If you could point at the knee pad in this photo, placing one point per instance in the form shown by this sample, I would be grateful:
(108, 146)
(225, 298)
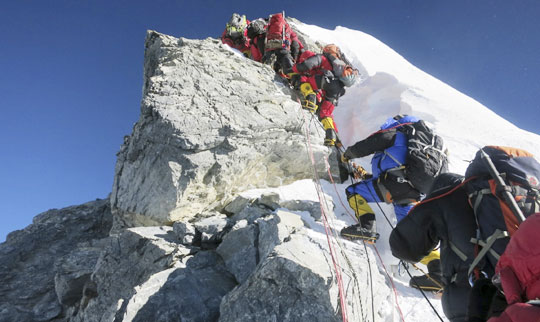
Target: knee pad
(435, 254)
(306, 89)
(359, 205)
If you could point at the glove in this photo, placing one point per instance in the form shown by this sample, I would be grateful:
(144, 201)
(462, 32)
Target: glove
(360, 173)
(348, 78)
(344, 159)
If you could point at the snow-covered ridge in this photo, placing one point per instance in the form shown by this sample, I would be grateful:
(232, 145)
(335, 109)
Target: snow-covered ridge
(391, 85)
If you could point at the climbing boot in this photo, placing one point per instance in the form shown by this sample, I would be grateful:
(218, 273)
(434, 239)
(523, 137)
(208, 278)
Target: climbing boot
(330, 131)
(310, 103)
(365, 230)
(330, 137)
(432, 281)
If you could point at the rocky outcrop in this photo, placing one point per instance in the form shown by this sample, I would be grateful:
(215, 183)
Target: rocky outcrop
(212, 124)
(37, 267)
(293, 284)
(145, 274)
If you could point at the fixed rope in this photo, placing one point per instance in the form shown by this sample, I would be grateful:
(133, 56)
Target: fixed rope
(328, 232)
(375, 248)
(342, 248)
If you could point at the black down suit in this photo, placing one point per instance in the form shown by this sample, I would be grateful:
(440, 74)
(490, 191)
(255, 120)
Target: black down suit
(445, 216)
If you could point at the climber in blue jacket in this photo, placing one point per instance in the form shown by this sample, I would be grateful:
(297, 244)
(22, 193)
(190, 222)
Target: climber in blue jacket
(388, 183)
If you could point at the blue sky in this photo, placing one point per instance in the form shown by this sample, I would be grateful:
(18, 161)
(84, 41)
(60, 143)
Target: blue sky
(72, 75)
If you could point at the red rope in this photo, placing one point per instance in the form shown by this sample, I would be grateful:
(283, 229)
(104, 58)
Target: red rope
(327, 227)
(376, 250)
(391, 282)
(337, 193)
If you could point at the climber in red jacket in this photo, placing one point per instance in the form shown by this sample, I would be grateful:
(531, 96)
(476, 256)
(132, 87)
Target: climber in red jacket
(322, 82)
(235, 34)
(519, 272)
(281, 43)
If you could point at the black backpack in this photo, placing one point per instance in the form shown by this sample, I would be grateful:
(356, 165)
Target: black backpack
(502, 184)
(426, 155)
(256, 27)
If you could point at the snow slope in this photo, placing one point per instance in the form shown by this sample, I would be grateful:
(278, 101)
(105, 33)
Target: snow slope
(391, 85)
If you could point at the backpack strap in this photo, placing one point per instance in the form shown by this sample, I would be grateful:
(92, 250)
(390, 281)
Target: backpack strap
(477, 197)
(486, 246)
(394, 159)
(458, 252)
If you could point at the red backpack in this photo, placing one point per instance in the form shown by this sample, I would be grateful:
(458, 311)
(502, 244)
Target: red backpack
(278, 33)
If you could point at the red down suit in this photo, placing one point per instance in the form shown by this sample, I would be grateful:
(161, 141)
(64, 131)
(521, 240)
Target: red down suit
(317, 70)
(519, 271)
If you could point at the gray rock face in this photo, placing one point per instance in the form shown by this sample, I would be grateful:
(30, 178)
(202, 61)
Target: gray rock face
(191, 293)
(27, 260)
(128, 260)
(145, 275)
(212, 124)
(239, 251)
(290, 285)
(73, 272)
(185, 232)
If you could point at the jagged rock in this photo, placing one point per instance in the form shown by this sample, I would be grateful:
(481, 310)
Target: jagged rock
(250, 213)
(128, 261)
(185, 232)
(27, 259)
(291, 285)
(212, 124)
(247, 244)
(273, 230)
(270, 200)
(190, 293)
(212, 228)
(239, 251)
(73, 272)
(313, 207)
(237, 205)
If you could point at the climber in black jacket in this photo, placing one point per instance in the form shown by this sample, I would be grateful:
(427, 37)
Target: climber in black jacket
(445, 216)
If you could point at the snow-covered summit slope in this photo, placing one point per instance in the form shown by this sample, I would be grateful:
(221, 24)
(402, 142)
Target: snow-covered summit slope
(391, 85)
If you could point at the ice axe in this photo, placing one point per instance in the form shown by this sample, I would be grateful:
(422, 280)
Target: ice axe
(502, 187)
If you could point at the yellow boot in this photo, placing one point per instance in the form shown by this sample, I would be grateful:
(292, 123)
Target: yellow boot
(432, 281)
(330, 134)
(366, 229)
(310, 98)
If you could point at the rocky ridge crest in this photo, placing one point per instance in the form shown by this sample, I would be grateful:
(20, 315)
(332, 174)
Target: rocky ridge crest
(177, 240)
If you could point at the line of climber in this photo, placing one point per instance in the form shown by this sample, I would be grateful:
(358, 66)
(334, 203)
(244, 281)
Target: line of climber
(320, 79)
(470, 218)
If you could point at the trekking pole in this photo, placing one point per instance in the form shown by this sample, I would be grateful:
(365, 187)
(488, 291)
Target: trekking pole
(502, 187)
